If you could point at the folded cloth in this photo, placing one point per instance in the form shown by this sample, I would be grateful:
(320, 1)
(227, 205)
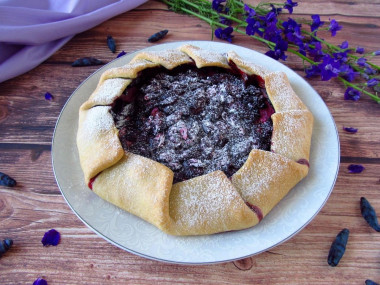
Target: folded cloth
(31, 31)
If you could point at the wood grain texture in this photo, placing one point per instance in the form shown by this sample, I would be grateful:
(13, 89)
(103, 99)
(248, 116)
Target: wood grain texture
(36, 205)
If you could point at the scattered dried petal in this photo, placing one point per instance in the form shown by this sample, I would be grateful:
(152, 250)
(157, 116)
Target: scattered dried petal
(111, 44)
(51, 237)
(6, 180)
(121, 54)
(40, 281)
(86, 61)
(157, 36)
(48, 96)
(355, 168)
(350, 130)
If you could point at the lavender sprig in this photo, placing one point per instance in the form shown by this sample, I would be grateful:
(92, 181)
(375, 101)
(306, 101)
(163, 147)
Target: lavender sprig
(351, 66)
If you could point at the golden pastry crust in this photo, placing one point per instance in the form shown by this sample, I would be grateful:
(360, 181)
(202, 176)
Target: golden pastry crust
(98, 143)
(266, 177)
(210, 203)
(140, 186)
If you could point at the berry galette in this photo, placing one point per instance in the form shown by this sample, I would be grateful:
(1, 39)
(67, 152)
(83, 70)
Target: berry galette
(193, 141)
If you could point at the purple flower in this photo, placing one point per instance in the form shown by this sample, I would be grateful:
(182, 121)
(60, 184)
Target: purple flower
(369, 70)
(376, 52)
(355, 168)
(275, 10)
(292, 30)
(312, 71)
(334, 27)
(289, 4)
(48, 96)
(217, 5)
(250, 11)
(361, 61)
(350, 130)
(253, 27)
(351, 94)
(315, 50)
(348, 73)
(344, 45)
(224, 34)
(316, 23)
(329, 68)
(121, 54)
(359, 50)
(51, 237)
(372, 82)
(40, 281)
(225, 21)
(279, 50)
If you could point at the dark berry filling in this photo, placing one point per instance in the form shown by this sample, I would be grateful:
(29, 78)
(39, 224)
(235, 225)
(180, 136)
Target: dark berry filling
(194, 120)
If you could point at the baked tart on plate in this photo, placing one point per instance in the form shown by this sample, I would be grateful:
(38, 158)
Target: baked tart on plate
(193, 141)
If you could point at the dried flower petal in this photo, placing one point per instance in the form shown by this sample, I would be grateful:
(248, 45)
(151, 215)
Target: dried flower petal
(40, 281)
(121, 54)
(350, 130)
(355, 168)
(48, 96)
(51, 237)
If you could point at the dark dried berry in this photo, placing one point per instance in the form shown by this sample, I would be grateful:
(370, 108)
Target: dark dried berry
(157, 36)
(370, 282)
(86, 61)
(111, 43)
(338, 247)
(5, 245)
(369, 214)
(6, 180)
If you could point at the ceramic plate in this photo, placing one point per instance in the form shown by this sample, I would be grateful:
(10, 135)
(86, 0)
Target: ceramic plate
(130, 233)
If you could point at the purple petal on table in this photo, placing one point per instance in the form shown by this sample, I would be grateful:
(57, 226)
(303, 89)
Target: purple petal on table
(40, 281)
(355, 168)
(51, 237)
(48, 96)
(350, 130)
(121, 54)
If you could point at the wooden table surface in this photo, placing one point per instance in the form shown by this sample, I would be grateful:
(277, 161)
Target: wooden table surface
(36, 204)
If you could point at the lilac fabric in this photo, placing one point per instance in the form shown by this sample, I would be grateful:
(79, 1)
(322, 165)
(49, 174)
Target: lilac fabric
(32, 30)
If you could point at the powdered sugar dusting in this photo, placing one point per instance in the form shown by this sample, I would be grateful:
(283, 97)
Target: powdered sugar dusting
(167, 58)
(257, 176)
(98, 127)
(292, 135)
(107, 92)
(205, 57)
(203, 201)
(247, 66)
(281, 93)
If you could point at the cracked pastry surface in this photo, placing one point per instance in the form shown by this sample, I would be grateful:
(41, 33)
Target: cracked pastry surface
(193, 141)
